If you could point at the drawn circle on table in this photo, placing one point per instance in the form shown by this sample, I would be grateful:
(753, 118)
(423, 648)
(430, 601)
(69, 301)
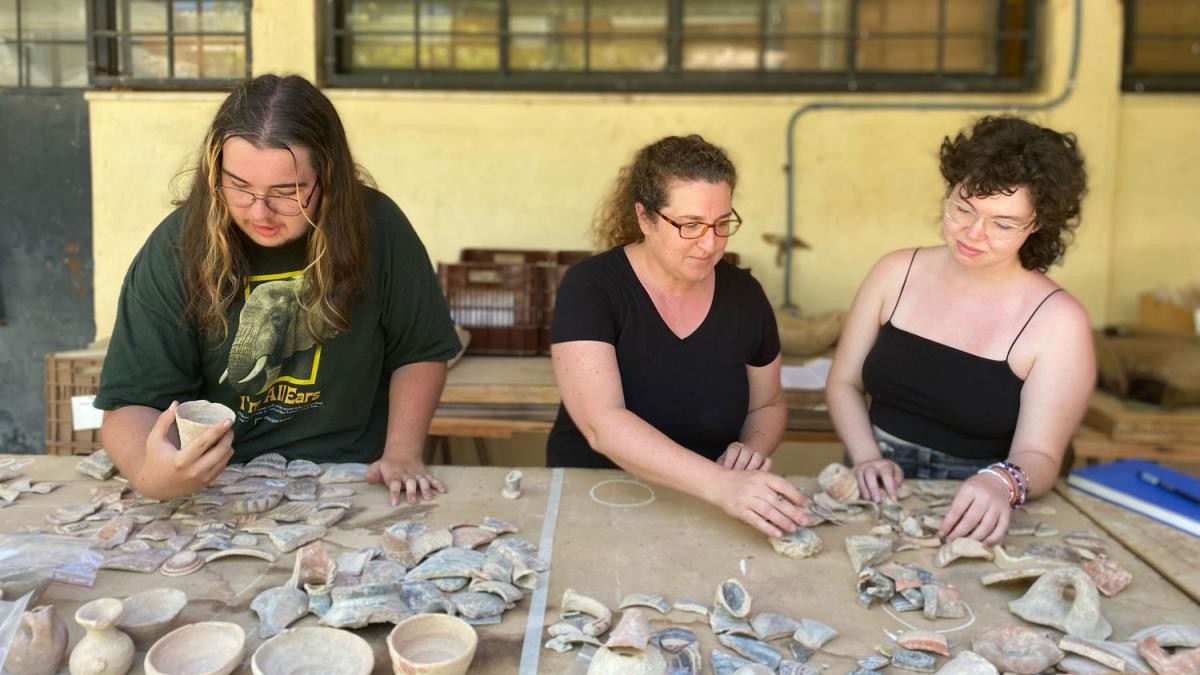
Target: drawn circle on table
(943, 631)
(621, 493)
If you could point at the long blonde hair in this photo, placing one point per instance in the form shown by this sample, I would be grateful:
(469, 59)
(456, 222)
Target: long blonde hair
(277, 112)
(646, 180)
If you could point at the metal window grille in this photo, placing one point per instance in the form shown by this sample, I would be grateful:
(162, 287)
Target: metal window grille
(193, 44)
(1162, 45)
(43, 44)
(683, 45)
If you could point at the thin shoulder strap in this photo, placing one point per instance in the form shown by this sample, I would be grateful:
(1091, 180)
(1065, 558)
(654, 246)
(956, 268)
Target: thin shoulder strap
(1035, 311)
(903, 283)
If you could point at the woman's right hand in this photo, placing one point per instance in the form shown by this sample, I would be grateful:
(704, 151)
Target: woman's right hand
(874, 473)
(766, 502)
(168, 472)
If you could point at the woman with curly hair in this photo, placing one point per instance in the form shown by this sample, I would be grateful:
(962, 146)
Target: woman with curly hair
(977, 365)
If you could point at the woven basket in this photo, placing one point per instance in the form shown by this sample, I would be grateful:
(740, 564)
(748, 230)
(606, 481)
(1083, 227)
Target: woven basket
(809, 336)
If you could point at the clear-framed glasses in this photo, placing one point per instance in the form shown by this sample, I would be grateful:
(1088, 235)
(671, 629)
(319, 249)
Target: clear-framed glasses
(697, 229)
(280, 204)
(965, 216)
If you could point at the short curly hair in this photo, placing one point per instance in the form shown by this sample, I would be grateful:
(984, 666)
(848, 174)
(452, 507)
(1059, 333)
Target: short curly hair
(1003, 154)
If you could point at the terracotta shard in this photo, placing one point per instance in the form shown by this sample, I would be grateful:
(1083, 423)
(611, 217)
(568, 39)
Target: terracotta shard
(252, 485)
(1087, 539)
(674, 639)
(450, 584)
(97, 465)
(424, 598)
(257, 502)
(357, 606)
(1016, 649)
(343, 473)
(873, 586)
(469, 536)
(182, 564)
(476, 605)
(787, 667)
(72, 513)
(924, 641)
(312, 566)
(600, 613)
(814, 634)
(292, 512)
(159, 530)
(302, 468)
(139, 561)
(724, 663)
(243, 552)
(732, 597)
(383, 571)
(498, 526)
(651, 600)
(689, 606)
(115, 532)
(450, 562)
(755, 650)
(302, 490)
(1118, 656)
(1181, 663)
(398, 540)
(803, 543)
(906, 575)
(335, 492)
(907, 659)
(1171, 635)
(968, 663)
(288, 538)
(270, 465)
(508, 592)
(135, 546)
(108, 494)
(961, 548)
(771, 626)
(838, 482)
(278, 608)
(942, 601)
(866, 550)
(686, 662)
(1044, 604)
(1006, 576)
(211, 542)
(1110, 577)
(326, 518)
(721, 621)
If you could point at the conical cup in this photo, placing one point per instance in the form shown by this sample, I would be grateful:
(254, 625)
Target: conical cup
(432, 644)
(195, 417)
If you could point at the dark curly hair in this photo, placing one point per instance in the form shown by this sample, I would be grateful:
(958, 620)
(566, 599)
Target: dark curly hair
(645, 182)
(1003, 154)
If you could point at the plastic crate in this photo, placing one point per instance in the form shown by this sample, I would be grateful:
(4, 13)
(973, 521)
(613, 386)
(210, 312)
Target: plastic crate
(506, 256)
(500, 304)
(71, 373)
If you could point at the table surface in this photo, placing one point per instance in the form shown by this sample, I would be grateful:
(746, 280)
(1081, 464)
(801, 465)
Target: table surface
(606, 536)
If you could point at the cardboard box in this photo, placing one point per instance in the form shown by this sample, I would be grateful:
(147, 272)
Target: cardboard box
(1159, 314)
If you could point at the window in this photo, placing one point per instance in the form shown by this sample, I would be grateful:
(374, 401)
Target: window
(683, 45)
(43, 43)
(1162, 46)
(176, 43)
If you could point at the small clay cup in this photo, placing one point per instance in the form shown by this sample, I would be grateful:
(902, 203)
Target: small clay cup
(432, 644)
(195, 417)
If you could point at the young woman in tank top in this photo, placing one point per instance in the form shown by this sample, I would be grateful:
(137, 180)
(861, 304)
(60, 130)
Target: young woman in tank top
(978, 367)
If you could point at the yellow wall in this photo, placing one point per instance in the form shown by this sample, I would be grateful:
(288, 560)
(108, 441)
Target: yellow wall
(527, 170)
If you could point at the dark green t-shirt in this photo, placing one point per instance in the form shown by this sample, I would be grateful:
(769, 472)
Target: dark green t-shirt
(324, 402)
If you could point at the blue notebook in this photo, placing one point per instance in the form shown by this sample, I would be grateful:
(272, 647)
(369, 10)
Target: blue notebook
(1118, 482)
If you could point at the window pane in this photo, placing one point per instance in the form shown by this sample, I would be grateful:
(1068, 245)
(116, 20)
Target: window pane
(143, 57)
(969, 55)
(629, 16)
(143, 16)
(898, 16)
(720, 35)
(56, 65)
(383, 51)
(628, 35)
(807, 16)
(545, 17)
(897, 54)
(628, 54)
(8, 21)
(53, 20)
(210, 57)
(971, 16)
(8, 65)
(720, 54)
(381, 15)
(806, 54)
(1167, 38)
(546, 53)
(465, 16)
(461, 51)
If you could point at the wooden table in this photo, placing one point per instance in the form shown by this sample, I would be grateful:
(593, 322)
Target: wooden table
(497, 396)
(605, 536)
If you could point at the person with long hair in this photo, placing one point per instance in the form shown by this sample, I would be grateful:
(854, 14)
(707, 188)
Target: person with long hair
(287, 288)
(667, 357)
(977, 364)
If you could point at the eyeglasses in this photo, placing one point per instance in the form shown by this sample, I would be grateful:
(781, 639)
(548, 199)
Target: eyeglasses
(280, 204)
(695, 230)
(962, 215)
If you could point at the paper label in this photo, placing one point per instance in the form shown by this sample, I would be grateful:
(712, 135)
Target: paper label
(84, 415)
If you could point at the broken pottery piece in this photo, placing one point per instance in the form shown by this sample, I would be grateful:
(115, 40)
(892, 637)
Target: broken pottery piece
(159, 530)
(674, 638)
(195, 417)
(721, 621)
(106, 495)
(469, 536)
(476, 605)
(277, 608)
(314, 649)
(252, 485)
(313, 566)
(115, 532)
(150, 614)
(383, 572)
(874, 586)
(924, 641)
(838, 482)
(512, 485)
(244, 539)
(1044, 604)
(732, 597)
(601, 614)
(352, 564)
(104, 650)
(686, 661)
(506, 591)
(802, 543)
(243, 552)
(357, 606)
(1016, 649)
(1087, 539)
(1181, 663)
(814, 634)
(867, 550)
(335, 492)
(907, 659)
(771, 626)
(423, 597)
(39, 644)
(351, 472)
(498, 526)
(962, 547)
(303, 468)
(1110, 577)
(1121, 657)
(448, 562)
(320, 598)
(72, 513)
(288, 538)
(292, 512)
(724, 663)
(874, 662)
(450, 584)
(1045, 530)
(968, 663)
(787, 667)
(690, 606)
(1171, 635)
(135, 546)
(257, 502)
(326, 518)
(799, 652)
(97, 465)
(432, 644)
(906, 575)
(210, 542)
(651, 600)
(181, 564)
(1019, 574)
(755, 650)
(302, 490)
(139, 561)
(942, 601)
(429, 540)
(632, 633)
(270, 465)
(204, 648)
(398, 539)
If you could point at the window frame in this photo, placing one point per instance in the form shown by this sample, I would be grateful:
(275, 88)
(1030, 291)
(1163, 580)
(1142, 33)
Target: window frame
(1133, 81)
(102, 56)
(22, 76)
(674, 79)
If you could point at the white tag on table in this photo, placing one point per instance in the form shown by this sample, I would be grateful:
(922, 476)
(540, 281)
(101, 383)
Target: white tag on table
(84, 415)
(811, 375)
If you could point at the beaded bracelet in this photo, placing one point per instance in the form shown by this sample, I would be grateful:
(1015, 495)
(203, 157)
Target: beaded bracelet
(1019, 477)
(1012, 492)
(1024, 479)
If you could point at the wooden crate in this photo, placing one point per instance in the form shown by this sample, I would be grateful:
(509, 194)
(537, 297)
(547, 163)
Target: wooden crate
(1133, 422)
(500, 304)
(70, 373)
(1093, 446)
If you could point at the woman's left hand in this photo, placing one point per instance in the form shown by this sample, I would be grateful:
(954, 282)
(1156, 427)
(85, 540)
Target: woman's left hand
(407, 475)
(980, 511)
(741, 457)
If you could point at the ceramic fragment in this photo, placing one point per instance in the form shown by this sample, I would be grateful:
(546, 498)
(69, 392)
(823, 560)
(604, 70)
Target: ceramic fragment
(968, 663)
(755, 650)
(343, 473)
(508, 592)
(181, 564)
(357, 606)
(210, 542)
(874, 662)
(512, 485)
(798, 652)
(962, 547)
(325, 518)
(97, 465)
(254, 484)
(38, 645)
(1019, 574)
(476, 605)
(450, 584)
(1044, 604)
(1109, 576)
(632, 633)
(423, 597)
(270, 465)
(874, 586)
(244, 539)
(469, 536)
(650, 600)
(924, 641)
(303, 468)
(721, 621)
(334, 491)
(1170, 635)
(449, 562)
(277, 608)
(288, 538)
(601, 614)
(906, 575)
(802, 543)
(814, 634)
(1121, 657)
(135, 546)
(787, 667)
(382, 572)
(1016, 649)
(732, 596)
(204, 648)
(243, 552)
(838, 482)
(770, 626)
(724, 663)
(312, 566)
(866, 550)
(690, 606)
(157, 531)
(150, 614)
(138, 561)
(292, 512)
(1180, 663)
(257, 502)
(907, 659)
(498, 526)
(115, 532)
(686, 662)
(303, 490)
(942, 601)
(72, 513)
(673, 639)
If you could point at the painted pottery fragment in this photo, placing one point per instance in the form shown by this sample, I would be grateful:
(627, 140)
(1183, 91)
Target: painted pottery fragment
(942, 601)
(867, 550)
(802, 543)
(1044, 604)
(814, 634)
(771, 626)
(1016, 649)
(303, 468)
(277, 608)
(924, 641)
(181, 564)
(351, 472)
(1108, 574)
(1121, 657)
(962, 547)
(288, 538)
(838, 482)
(733, 597)
(270, 465)
(755, 650)
(138, 561)
(968, 663)
(357, 606)
(650, 600)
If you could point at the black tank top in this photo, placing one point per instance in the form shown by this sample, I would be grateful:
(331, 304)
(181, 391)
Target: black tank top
(940, 397)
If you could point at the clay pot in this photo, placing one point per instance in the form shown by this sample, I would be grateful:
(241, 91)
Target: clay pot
(432, 644)
(205, 648)
(150, 614)
(104, 650)
(195, 417)
(314, 650)
(39, 645)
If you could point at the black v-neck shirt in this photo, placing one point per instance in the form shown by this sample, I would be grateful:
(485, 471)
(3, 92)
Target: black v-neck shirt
(693, 389)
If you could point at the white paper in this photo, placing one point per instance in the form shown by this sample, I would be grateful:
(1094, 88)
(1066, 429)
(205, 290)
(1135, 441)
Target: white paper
(811, 375)
(84, 415)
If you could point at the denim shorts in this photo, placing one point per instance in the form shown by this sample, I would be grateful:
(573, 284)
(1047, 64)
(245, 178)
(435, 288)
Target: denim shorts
(920, 462)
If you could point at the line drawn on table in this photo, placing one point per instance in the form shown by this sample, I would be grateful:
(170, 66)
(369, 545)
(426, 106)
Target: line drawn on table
(909, 626)
(532, 645)
(15, 463)
(592, 493)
